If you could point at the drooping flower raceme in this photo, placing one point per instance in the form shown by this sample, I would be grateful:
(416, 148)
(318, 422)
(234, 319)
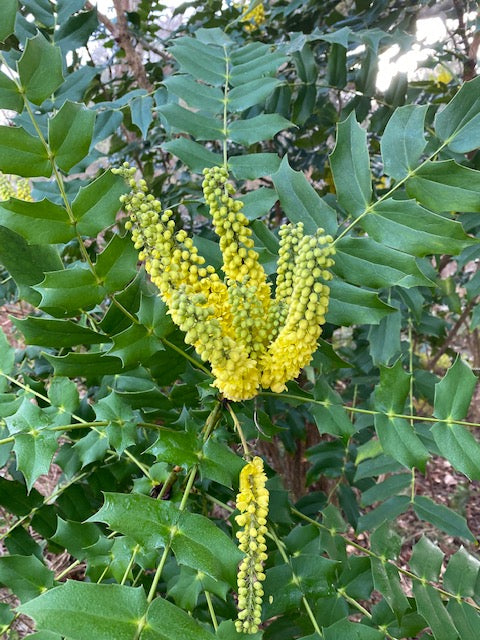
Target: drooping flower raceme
(251, 338)
(252, 502)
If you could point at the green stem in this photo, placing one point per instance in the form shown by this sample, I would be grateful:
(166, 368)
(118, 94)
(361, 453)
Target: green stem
(372, 554)
(136, 549)
(187, 356)
(286, 559)
(238, 428)
(371, 207)
(208, 598)
(372, 412)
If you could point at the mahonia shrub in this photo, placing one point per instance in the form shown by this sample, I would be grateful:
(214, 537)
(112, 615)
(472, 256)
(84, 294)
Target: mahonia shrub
(230, 365)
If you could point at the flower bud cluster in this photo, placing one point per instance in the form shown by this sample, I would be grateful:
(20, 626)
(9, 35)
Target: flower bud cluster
(254, 18)
(19, 189)
(252, 502)
(308, 297)
(250, 339)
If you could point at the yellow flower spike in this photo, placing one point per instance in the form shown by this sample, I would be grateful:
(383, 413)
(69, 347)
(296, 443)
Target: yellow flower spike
(252, 499)
(18, 188)
(250, 339)
(254, 18)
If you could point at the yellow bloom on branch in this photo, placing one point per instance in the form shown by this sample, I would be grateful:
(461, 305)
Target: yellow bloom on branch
(252, 502)
(251, 338)
(15, 188)
(253, 18)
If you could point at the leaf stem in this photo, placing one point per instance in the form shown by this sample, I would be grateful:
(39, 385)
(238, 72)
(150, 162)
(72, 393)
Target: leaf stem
(389, 193)
(208, 598)
(238, 427)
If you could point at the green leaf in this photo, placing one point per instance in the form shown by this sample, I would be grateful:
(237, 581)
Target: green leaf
(431, 607)
(461, 574)
(153, 314)
(331, 417)
(46, 332)
(426, 560)
(23, 154)
(85, 365)
(199, 126)
(196, 94)
(82, 610)
(446, 186)
(388, 510)
(384, 339)
(337, 66)
(392, 391)
(283, 593)
(194, 155)
(74, 31)
(399, 440)
(63, 393)
(26, 576)
(34, 444)
(344, 629)
(116, 266)
(195, 540)
(442, 517)
(351, 167)
(250, 94)
(352, 305)
(403, 140)
(454, 392)
(165, 621)
(387, 582)
(7, 360)
(217, 462)
(363, 261)
(459, 447)
(10, 97)
(459, 122)
(135, 345)
(70, 133)
(91, 447)
(301, 202)
(256, 129)
(67, 292)
(203, 62)
(122, 427)
(465, 619)
(41, 222)
(76, 537)
(9, 13)
(257, 203)
(97, 204)
(382, 490)
(408, 227)
(40, 69)
(141, 109)
(254, 165)
(259, 63)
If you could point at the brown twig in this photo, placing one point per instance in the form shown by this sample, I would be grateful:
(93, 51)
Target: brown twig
(121, 33)
(470, 59)
(453, 332)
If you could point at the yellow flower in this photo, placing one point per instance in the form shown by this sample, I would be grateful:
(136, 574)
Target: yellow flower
(249, 338)
(254, 18)
(18, 188)
(252, 502)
